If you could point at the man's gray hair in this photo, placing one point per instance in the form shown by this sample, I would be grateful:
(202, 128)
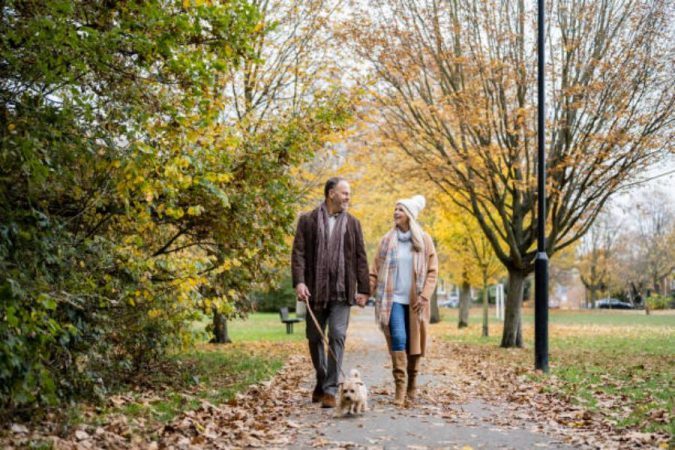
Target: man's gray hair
(330, 184)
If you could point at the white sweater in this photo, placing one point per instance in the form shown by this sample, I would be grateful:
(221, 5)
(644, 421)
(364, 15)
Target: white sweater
(404, 268)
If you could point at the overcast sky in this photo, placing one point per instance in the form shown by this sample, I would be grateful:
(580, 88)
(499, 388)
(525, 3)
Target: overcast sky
(623, 202)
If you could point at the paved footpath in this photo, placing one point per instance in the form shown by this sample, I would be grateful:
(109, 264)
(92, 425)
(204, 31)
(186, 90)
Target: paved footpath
(425, 426)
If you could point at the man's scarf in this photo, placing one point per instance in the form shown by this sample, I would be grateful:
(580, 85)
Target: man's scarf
(330, 257)
(387, 277)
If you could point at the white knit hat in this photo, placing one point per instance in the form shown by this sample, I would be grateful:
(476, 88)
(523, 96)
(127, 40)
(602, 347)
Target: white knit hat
(414, 205)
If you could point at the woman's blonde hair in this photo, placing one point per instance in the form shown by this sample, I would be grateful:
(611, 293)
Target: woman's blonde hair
(417, 234)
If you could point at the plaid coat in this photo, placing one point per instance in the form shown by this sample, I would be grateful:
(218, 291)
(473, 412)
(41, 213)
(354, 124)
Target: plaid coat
(418, 338)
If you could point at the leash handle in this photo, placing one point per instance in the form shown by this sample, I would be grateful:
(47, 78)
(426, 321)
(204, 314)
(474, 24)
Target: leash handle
(325, 340)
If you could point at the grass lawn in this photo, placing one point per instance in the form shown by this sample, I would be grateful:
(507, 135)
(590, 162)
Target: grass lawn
(607, 360)
(255, 328)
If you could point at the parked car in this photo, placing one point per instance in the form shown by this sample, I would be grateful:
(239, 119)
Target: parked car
(612, 303)
(450, 302)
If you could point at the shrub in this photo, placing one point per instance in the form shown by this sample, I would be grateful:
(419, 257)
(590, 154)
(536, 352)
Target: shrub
(85, 295)
(128, 199)
(271, 301)
(656, 302)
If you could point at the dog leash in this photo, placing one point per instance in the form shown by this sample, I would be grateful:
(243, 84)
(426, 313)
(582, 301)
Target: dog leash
(325, 340)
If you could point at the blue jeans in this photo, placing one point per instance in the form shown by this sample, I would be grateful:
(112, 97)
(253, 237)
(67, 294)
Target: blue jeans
(399, 326)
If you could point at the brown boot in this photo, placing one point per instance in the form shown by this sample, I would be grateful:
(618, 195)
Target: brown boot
(398, 361)
(413, 370)
(317, 393)
(328, 401)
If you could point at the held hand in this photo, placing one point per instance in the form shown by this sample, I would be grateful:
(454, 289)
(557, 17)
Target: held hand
(361, 300)
(421, 303)
(302, 292)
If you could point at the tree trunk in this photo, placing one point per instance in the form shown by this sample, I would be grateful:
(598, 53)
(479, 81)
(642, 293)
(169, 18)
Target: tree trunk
(485, 306)
(594, 295)
(220, 335)
(513, 333)
(435, 316)
(657, 285)
(464, 304)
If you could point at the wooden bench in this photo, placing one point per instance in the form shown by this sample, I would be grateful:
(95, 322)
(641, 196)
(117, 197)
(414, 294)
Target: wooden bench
(283, 313)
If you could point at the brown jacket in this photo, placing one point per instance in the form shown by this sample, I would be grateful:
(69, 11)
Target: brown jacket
(303, 260)
(419, 330)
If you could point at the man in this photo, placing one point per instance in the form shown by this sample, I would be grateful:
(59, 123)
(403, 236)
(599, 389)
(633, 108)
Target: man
(330, 273)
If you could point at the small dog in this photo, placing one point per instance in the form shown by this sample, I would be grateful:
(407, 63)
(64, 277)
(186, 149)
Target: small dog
(353, 395)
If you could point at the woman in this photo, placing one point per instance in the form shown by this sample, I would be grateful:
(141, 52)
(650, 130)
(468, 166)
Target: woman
(404, 277)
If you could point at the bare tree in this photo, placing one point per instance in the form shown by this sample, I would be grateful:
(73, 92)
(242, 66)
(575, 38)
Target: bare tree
(488, 265)
(644, 251)
(291, 61)
(455, 89)
(596, 255)
(656, 238)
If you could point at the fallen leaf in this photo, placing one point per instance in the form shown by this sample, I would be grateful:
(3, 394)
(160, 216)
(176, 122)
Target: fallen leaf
(19, 429)
(81, 435)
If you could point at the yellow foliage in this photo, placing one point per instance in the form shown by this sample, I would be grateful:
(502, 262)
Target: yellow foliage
(381, 176)
(195, 210)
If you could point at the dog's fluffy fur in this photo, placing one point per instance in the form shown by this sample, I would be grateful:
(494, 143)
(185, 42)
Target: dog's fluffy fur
(353, 395)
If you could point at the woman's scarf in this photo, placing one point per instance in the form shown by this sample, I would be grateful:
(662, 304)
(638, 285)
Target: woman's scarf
(387, 277)
(330, 257)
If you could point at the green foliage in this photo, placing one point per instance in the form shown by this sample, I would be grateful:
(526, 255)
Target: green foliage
(81, 83)
(128, 201)
(275, 298)
(656, 302)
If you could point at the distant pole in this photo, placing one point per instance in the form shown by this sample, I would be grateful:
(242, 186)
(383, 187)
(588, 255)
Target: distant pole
(499, 301)
(497, 305)
(541, 261)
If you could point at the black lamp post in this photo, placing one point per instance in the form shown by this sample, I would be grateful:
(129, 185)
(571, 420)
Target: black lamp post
(541, 261)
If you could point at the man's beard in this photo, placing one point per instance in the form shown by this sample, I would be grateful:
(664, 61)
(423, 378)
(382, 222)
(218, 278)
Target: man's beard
(339, 206)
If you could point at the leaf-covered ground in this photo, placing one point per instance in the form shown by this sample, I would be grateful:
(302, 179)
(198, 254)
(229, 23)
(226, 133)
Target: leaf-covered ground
(610, 386)
(611, 381)
(221, 382)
